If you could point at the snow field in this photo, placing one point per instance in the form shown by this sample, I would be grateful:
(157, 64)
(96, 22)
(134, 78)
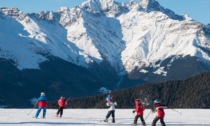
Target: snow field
(95, 117)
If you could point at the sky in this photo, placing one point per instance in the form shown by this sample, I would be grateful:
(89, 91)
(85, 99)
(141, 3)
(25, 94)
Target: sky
(196, 9)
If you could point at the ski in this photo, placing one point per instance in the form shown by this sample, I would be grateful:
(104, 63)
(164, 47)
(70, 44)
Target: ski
(107, 122)
(35, 117)
(38, 118)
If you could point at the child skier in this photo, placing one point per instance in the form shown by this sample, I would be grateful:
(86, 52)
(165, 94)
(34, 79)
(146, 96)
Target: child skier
(159, 109)
(111, 111)
(62, 102)
(42, 103)
(139, 112)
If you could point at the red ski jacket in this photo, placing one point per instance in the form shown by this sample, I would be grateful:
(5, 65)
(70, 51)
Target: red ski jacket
(42, 104)
(139, 108)
(160, 110)
(62, 102)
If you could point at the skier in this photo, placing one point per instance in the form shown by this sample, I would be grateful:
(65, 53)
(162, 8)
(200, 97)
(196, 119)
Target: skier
(111, 111)
(42, 103)
(159, 109)
(62, 102)
(139, 112)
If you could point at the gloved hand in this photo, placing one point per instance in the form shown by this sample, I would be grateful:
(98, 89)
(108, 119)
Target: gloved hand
(134, 111)
(153, 110)
(115, 103)
(35, 106)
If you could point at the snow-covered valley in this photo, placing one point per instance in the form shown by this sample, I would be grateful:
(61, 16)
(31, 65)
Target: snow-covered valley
(94, 117)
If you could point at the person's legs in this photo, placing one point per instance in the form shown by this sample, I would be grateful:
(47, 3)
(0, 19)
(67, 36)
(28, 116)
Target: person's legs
(135, 119)
(162, 122)
(44, 112)
(59, 110)
(142, 120)
(113, 116)
(37, 112)
(107, 116)
(155, 121)
(61, 113)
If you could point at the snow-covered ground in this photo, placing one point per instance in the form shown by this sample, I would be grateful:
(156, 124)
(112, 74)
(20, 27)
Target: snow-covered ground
(94, 117)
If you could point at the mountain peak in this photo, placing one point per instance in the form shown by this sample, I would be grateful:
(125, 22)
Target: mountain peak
(151, 5)
(46, 15)
(105, 6)
(146, 3)
(12, 12)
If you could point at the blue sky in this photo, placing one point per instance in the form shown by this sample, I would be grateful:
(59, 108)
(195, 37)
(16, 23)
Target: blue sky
(197, 9)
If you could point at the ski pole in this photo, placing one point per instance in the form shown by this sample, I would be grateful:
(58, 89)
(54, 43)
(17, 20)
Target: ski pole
(176, 111)
(68, 99)
(148, 115)
(31, 111)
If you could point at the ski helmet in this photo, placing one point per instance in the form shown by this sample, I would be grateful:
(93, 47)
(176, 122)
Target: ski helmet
(42, 94)
(157, 101)
(62, 97)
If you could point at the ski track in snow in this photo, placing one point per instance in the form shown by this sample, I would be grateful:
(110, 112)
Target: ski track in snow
(94, 117)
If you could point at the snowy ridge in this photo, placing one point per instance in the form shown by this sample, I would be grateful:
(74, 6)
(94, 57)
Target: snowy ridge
(35, 37)
(132, 35)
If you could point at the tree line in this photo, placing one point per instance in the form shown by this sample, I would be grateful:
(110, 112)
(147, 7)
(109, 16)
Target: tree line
(193, 92)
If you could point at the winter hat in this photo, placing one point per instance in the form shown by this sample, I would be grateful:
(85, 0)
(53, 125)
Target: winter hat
(110, 100)
(138, 101)
(42, 94)
(157, 101)
(62, 97)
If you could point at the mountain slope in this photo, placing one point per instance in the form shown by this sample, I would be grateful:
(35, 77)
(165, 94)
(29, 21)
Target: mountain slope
(128, 36)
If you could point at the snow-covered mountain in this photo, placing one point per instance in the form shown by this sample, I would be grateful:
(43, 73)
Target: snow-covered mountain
(141, 40)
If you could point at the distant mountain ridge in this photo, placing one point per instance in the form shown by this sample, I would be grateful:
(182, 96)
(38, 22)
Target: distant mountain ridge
(119, 44)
